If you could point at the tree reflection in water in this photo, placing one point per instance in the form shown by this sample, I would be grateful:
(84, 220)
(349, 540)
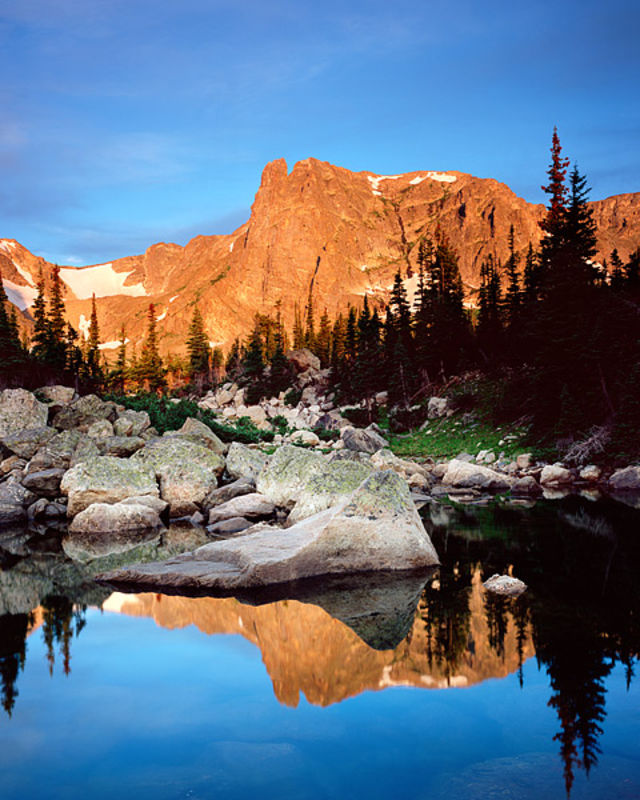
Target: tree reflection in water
(579, 559)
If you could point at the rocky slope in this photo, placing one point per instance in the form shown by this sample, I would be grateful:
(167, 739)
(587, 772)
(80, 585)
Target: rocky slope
(346, 233)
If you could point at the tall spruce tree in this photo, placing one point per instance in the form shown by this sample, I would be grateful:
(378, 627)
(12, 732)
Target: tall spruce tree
(198, 349)
(11, 355)
(150, 369)
(93, 368)
(57, 344)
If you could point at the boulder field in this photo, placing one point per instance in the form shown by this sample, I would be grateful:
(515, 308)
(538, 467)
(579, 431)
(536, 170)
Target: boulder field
(296, 511)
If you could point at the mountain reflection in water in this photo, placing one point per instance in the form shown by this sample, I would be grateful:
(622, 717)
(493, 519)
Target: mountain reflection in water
(579, 617)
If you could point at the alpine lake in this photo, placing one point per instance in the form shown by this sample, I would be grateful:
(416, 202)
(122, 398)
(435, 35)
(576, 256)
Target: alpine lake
(375, 686)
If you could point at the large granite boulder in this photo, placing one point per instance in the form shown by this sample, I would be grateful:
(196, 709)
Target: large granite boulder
(82, 413)
(106, 479)
(287, 473)
(385, 459)
(107, 517)
(555, 475)
(250, 506)
(197, 431)
(377, 528)
(20, 410)
(303, 359)
(122, 446)
(626, 480)
(244, 462)
(14, 499)
(56, 395)
(362, 440)
(26, 442)
(64, 450)
(131, 423)
(332, 484)
(227, 492)
(465, 475)
(187, 471)
(44, 481)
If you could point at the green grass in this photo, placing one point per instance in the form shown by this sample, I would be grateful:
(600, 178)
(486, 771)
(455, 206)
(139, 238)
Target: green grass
(446, 438)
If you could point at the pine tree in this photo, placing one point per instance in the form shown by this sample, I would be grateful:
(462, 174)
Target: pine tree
(513, 297)
(93, 368)
(198, 348)
(253, 365)
(57, 346)
(151, 371)
(309, 330)
(323, 340)
(40, 339)
(298, 331)
(10, 350)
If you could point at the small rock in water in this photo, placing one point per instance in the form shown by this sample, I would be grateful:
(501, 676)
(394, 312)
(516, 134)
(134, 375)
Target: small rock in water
(505, 585)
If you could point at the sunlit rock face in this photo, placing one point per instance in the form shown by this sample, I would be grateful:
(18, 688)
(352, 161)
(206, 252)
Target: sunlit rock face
(306, 650)
(348, 231)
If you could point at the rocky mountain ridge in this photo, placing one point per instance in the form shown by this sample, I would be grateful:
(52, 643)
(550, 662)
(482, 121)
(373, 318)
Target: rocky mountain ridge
(343, 233)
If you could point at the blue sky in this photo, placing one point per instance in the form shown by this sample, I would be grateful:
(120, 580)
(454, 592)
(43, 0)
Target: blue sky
(127, 122)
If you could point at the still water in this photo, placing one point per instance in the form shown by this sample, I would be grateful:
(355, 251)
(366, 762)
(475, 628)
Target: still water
(419, 687)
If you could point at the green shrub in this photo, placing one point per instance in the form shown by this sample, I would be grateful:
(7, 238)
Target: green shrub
(292, 397)
(169, 415)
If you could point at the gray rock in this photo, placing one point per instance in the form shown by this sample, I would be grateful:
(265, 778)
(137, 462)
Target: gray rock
(26, 443)
(303, 359)
(155, 503)
(19, 410)
(378, 528)
(626, 480)
(105, 479)
(12, 492)
(590, 473)
(100, 429)
(365, 441)
(334, 483)
(332, 421)
(56, 395)
(58, 452)
(524, 460)
(10, 513)
(197, 431)
(122, 446)
(555, 475)
(232, 525)
(437, 407)
(505, 585)
(305, 437)
(287, 473)
(525, 487)
(45, 481)
(465, 475)
(187, 471)
(251, 506)
(236, 489)
(244, 462)
(131, 423)
(82, 413)
(108, 517)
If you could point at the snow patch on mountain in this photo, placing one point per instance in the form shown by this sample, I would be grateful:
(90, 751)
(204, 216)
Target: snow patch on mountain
(160, 317)
(102, 280)
(6, 245)
(112, 345)
(375, 181)
(21, 296)
(23, 273)
(175, 297)
(443, 177)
